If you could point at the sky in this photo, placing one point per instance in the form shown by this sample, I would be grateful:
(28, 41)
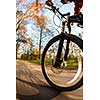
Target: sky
(34, 32)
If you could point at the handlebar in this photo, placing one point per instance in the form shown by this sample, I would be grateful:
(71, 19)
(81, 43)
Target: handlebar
(54, 9)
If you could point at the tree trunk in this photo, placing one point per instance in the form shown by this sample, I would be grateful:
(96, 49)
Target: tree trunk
(40, 44)
(17, 47)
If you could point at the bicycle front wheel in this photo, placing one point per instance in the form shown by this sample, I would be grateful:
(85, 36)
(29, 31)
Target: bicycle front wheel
(69, 76)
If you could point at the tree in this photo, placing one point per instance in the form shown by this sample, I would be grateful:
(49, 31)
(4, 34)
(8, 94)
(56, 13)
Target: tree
(42, 23)
(32, 13)
(32, 9)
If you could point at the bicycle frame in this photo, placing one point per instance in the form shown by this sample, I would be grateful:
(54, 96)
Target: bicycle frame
(58, 60)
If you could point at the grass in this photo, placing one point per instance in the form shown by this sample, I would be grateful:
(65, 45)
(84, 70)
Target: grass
(37, 61)
(72, 63)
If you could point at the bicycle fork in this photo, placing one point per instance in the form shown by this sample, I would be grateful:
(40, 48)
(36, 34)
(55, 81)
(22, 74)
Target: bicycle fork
(58, 59)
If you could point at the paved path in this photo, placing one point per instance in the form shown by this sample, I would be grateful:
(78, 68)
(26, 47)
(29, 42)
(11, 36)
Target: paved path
(31, 85)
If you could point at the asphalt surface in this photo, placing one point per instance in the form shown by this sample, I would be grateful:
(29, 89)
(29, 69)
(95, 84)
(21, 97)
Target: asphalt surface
(31, 85)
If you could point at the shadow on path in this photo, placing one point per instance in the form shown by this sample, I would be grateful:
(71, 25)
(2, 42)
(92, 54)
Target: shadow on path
(44, 92)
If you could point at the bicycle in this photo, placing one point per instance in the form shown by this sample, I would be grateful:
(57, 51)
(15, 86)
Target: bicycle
(62, 58)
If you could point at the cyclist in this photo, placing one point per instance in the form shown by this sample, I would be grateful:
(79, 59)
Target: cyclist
(78, 16)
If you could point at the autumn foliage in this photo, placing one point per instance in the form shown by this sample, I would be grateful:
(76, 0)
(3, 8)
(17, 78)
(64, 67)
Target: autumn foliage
(27, 11)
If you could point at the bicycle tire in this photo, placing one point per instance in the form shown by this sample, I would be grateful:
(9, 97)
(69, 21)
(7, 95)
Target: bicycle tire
(75, 40)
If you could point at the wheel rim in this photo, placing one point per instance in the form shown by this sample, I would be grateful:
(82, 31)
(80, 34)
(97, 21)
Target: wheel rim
(64, 77)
